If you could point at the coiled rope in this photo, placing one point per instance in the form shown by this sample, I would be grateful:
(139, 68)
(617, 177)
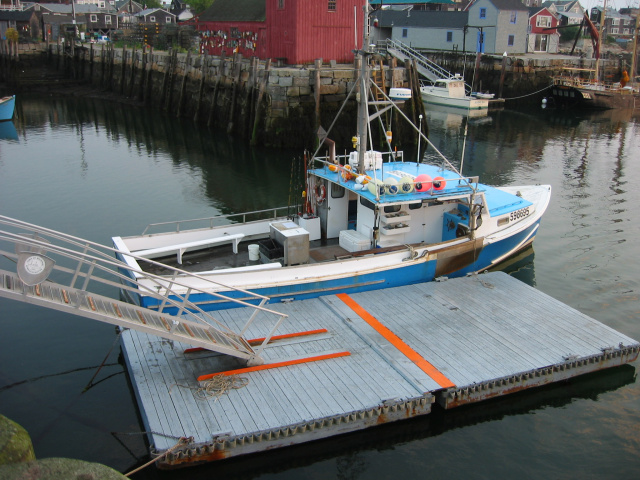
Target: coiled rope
(216, 386)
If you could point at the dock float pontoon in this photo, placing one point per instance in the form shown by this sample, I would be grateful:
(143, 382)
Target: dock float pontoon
(348, 362)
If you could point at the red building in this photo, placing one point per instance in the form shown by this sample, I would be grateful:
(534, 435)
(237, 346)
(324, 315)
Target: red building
(543, 35)
(296, 31)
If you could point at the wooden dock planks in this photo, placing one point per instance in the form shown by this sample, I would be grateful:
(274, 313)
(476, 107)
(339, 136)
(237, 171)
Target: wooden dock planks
(488, 335)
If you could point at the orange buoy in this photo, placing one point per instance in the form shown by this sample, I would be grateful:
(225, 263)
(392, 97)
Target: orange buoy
(439, 183)
(423, 183)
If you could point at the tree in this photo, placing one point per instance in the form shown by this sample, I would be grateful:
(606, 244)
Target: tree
(200, 6)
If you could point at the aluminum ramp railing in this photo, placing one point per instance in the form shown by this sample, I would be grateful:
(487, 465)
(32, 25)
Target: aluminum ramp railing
(54, 270)
(426, 67)
(104, 309)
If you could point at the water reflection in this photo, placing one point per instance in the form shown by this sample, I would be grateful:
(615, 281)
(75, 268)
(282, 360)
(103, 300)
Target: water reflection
(8, 131)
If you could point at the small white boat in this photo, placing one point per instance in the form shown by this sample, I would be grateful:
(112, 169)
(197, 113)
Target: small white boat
(451, 92)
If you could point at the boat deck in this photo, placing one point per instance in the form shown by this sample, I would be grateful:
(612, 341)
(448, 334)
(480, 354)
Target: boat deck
(222, 257)
(373, 357)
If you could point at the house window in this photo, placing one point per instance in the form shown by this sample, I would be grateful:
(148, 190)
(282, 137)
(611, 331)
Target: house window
(332, 5)
(626, 31)
(615, 21)
(93, 18)
(543, 21)
(167, 19)
(614, 31)
(511, 40)
(514, 17)
(449, 36)
(280, 4)
(483, 13)
(101, 4)
(152, 18)
(405, 32)
(107, 19)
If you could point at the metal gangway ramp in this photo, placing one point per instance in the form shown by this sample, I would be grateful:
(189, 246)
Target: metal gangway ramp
(55, 270)
(431, 70)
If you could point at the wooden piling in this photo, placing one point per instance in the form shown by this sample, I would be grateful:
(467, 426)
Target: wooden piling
(132, 75)
(214, 98)
(123, 66)
(236, 80)
(183, 84)
(263, 88)
(203, 75)
(318, 67)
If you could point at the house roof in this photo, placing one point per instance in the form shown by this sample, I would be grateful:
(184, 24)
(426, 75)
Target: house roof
(571, 15)
(407, 2)
(235, 11)
(422, 18)
(509, 4)
(15, 15)
(149, 11)
(79, 8)
(536, 10)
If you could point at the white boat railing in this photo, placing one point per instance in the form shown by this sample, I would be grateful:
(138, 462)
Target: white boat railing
(217, 220)
(80, 264)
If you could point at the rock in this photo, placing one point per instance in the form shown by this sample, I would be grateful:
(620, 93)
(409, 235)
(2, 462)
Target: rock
(58, 469)
(15, 443)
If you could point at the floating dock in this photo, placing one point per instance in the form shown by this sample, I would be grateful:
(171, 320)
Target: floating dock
(342, 363)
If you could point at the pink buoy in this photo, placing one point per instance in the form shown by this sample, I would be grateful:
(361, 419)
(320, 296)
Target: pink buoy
(439, 183)
(423, 182)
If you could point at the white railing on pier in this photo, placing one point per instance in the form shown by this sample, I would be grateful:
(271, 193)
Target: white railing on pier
(59, 271)
(426, 67)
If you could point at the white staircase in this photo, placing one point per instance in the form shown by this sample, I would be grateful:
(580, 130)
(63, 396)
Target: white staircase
(431, 70)
(42, 255)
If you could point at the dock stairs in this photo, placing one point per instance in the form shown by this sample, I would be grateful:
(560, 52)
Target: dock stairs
(428, 69)
(80, 263)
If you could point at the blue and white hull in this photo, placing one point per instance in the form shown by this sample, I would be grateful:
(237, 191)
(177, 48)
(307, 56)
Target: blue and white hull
(406, 265)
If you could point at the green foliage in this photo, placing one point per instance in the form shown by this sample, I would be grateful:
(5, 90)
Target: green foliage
(12, 34)
(569, 34)
(153, 3)
(199, 6)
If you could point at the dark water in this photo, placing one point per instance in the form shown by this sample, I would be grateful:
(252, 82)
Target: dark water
(94, 169)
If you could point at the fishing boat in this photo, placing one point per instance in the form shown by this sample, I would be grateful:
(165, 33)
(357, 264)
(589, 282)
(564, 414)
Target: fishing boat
(7, 106)
(578, 87)
(366, 220)
(451, 93)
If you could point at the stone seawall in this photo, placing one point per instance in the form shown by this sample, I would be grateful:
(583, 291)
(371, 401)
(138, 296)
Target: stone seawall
(257, 101)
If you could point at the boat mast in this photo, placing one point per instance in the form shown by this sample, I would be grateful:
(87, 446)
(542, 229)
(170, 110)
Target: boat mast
(363, 107)
(602, 16)
(634, 55)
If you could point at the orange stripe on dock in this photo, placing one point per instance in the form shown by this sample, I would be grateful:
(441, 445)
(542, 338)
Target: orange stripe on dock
(268, 366)
(397, 342)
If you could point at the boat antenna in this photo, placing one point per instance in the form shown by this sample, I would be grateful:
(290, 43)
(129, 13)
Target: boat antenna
(464, 144)
(418, 159)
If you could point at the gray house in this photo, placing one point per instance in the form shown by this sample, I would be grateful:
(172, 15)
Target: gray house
(433, 30)
(499, 26)
(487, 26)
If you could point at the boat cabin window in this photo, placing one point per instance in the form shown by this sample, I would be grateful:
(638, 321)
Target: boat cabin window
(337, 191)
(392, 208)
(366, 203)
(415, 206)
(441, 84)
